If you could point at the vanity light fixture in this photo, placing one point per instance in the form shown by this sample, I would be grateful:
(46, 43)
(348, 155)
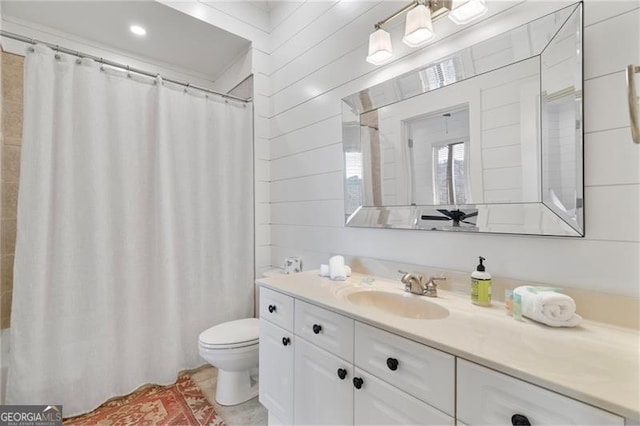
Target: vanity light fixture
(419, 24)
(138, 30)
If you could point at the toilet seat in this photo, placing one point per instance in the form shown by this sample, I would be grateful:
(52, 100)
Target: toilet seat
(232, 334)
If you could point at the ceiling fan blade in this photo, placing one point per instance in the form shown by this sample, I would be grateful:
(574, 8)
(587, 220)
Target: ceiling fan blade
(470, 223)
(427, 217)
(468, 215)
(445, 212)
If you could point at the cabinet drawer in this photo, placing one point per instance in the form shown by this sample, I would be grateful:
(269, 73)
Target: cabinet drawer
(488, 397)
(426, 373)
(378, 403)
(277, 308)
(332, 332)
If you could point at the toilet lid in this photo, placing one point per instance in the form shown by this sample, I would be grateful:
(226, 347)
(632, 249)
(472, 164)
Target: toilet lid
(231, 333)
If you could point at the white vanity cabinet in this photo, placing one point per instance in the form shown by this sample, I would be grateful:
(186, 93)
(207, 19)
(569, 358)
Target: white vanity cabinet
(321, 367)
(316, 379)
(486, 396)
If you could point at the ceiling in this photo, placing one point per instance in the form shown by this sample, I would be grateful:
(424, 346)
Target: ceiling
(172, 37)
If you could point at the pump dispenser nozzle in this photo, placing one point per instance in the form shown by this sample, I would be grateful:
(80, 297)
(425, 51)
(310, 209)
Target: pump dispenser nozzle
(481, 266)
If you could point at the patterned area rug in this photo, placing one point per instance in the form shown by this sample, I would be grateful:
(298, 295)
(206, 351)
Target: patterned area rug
(179, 404)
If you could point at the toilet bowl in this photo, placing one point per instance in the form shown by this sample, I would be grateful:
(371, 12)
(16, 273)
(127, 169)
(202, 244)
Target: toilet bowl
(232, 347)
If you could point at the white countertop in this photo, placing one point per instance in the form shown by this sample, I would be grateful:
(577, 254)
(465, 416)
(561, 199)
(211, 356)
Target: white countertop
(595, 363)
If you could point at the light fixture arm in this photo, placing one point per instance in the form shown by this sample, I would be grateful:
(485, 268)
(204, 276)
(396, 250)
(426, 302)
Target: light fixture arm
(399, 12)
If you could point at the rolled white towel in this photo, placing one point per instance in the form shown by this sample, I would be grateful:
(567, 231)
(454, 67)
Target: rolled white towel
(324, 270)
(548, 307)
(337, 270)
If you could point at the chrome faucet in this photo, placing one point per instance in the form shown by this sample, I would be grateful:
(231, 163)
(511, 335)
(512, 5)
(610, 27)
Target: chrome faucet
(415, 283)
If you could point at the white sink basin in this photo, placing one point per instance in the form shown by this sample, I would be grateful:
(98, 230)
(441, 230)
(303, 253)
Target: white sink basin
(405, 305)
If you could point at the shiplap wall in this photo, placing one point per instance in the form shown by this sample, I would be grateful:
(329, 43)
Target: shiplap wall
(307, 55)
(318, 58)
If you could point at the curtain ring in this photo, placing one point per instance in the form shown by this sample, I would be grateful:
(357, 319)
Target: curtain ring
(186, 87)
(128, 72)
(101, 64)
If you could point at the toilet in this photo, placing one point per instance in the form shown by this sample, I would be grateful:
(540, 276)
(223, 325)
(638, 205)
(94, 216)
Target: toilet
(232, 347)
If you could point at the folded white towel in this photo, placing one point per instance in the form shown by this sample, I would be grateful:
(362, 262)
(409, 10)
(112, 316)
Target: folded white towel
(337, 271)
(548, 307)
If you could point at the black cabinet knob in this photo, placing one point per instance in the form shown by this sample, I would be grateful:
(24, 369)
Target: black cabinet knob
(272, 308)
(286, 341)
(519, 419)
(392, 363)
(357, 382)
(317, 328)
(342, 373)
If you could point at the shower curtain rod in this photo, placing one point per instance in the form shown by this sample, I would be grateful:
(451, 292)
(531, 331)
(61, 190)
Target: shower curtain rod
(113, 64)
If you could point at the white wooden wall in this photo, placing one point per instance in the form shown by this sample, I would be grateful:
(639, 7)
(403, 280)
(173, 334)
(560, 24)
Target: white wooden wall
(319, 58)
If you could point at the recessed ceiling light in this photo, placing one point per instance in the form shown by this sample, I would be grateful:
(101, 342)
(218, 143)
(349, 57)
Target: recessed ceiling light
(138, 30)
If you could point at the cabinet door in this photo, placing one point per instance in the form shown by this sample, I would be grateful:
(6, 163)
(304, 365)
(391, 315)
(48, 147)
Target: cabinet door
(323, 388)
(488, 397)
(379, 403)
(276, 371)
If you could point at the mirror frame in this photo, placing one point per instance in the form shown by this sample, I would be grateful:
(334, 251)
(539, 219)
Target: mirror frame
(552, 220)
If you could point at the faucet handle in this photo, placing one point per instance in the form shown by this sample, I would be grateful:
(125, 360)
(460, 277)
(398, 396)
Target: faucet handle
(431, 289)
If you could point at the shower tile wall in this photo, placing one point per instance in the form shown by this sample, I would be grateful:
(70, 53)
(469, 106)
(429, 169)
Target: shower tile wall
(12, 84)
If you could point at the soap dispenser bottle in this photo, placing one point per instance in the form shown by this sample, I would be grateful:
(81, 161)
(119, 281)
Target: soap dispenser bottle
(481, 285)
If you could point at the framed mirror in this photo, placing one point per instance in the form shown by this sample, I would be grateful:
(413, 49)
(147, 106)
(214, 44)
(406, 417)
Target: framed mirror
(488, 139)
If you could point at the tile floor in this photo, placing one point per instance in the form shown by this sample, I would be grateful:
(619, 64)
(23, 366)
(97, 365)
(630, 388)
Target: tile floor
(250, 413)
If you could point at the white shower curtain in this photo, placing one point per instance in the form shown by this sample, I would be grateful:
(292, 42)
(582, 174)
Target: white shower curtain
(135, 231)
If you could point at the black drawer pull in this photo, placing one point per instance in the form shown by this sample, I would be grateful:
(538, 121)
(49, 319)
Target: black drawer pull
(342, 373)
(520, 420)
(272, 308)
(286, 341)
(317, 328)
(357, 382)
(392, 363)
